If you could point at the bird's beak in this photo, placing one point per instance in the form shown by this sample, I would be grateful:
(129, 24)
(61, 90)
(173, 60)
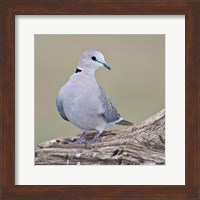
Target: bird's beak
(106, 66)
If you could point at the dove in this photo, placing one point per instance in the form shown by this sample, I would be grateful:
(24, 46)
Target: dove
(84, 103)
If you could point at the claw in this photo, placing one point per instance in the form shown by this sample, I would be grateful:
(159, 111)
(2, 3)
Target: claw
(80, 139)
(95, 138)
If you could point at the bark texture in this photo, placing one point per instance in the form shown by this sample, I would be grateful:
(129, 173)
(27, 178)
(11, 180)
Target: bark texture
(142, 144)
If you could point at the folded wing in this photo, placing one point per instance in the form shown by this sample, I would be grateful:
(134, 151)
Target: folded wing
(60, 108)
(110, 112)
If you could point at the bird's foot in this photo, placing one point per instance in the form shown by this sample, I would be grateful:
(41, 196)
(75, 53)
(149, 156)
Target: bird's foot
(80, 139)
(94, 139)
(84, 142)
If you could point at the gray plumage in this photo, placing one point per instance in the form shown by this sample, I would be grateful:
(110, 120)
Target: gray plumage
(60, 108)
(110, 112)
(83, 102)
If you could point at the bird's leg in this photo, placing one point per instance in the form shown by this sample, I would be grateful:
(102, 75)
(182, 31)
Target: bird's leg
(80, 139)
(94, 138)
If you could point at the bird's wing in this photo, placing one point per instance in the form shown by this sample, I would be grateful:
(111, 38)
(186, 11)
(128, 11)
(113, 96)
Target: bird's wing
(110, 112)
(60, 108)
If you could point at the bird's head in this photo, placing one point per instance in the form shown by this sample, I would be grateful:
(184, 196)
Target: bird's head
(92, 60)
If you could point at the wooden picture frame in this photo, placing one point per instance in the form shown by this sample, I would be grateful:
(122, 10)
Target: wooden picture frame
(10, 8)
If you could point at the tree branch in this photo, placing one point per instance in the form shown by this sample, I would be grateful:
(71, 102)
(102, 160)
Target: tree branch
(142, 144)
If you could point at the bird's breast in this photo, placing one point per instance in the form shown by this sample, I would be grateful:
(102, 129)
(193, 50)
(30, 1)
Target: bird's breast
(81, 99)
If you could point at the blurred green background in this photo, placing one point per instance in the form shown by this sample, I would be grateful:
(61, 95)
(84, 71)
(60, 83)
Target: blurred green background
(136, 83)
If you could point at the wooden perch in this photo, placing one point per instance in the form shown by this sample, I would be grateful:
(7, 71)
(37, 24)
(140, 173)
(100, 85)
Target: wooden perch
(142, 144)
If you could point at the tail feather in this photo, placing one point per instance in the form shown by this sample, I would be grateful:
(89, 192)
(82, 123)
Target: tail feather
(125, 123)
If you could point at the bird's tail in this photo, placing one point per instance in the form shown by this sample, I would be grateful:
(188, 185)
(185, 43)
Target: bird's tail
(124, 123)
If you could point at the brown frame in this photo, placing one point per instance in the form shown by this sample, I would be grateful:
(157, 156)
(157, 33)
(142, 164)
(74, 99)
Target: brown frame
(10, 8)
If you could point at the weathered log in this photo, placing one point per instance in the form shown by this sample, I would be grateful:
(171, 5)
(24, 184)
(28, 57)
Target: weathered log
(142, 144)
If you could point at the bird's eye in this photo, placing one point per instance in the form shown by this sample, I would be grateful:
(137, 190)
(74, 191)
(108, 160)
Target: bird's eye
(94, 58)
